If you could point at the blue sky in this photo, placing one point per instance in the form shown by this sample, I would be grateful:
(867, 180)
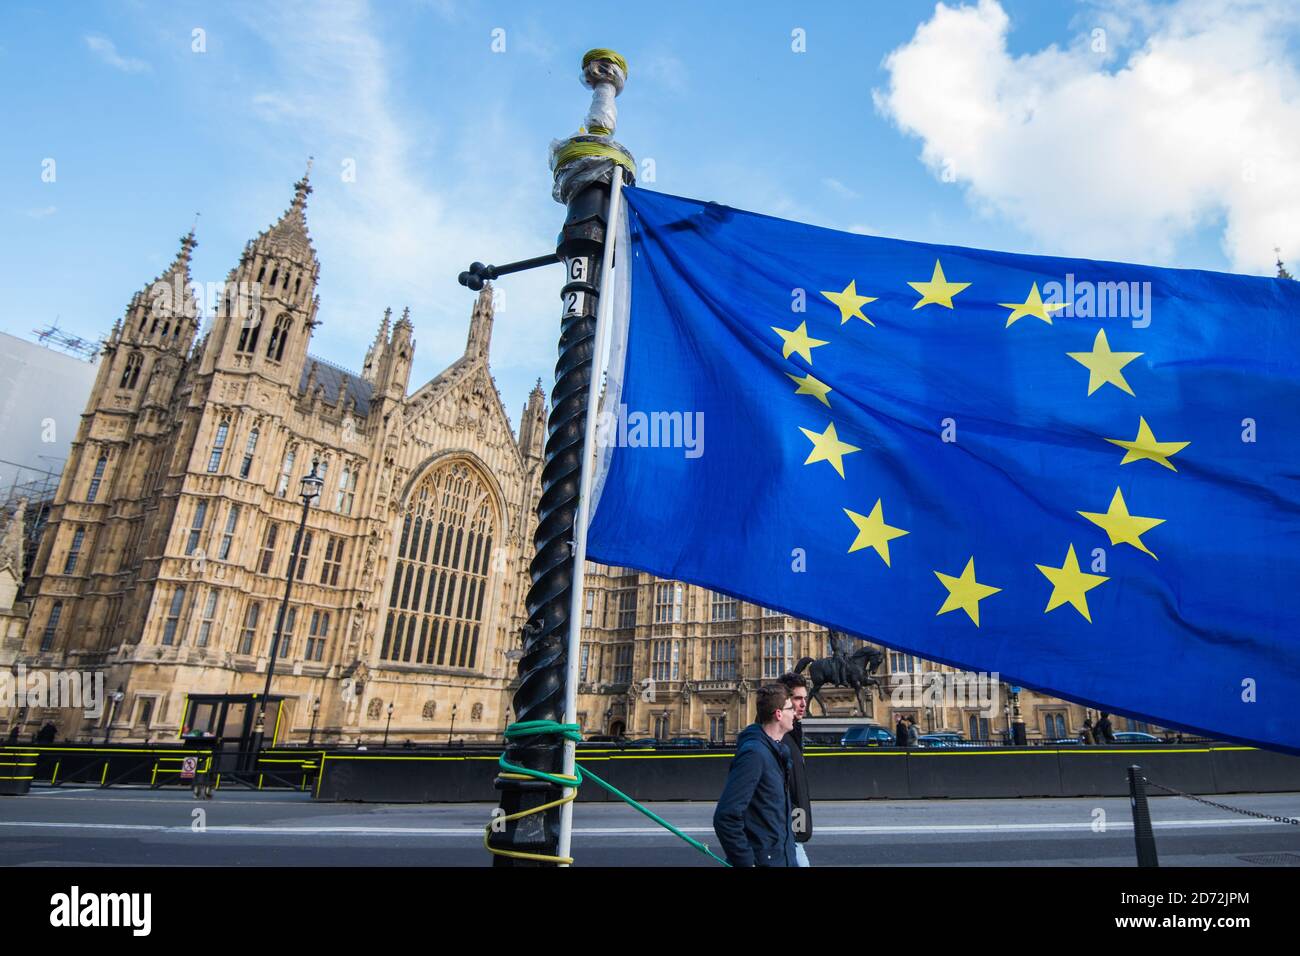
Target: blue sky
(1172, 137)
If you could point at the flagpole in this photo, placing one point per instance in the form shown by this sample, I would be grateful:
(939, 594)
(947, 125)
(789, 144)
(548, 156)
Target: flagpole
(536, 826)
(576, 607)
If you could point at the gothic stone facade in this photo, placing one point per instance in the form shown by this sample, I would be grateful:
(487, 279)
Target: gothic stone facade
(165, 557)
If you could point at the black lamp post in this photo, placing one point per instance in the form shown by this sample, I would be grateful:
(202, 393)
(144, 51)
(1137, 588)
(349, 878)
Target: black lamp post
(389, 724)
(315, 712)
(453, 724)
(116, 697)
(20, 694)
(309, 491)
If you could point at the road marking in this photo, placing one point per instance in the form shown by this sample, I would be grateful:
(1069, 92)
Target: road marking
(633, 831)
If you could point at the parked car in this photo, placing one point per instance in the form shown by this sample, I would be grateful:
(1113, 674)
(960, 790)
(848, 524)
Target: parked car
(1136, 737)
(1062, 742)
(691, 743)
(942, 739)
(866, 735)
(643, 742)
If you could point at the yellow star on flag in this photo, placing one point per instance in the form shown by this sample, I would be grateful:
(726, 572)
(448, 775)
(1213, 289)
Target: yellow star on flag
(938, 291)
(1103, 365)
(1070, 585)
(1034, 305)
(1146, 446)
(828, 447)
(873, 532)
(811, 386)
(850, 303)
(1122, 527)
(797, 342)
(964, 592)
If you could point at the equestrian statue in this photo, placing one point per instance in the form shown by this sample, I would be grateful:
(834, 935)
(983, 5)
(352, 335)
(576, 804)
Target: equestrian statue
(852, 664)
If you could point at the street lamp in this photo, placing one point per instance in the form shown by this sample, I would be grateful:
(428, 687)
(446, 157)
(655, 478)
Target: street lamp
(453, 724)
(315, 712)
(389, 724)
(308, 492)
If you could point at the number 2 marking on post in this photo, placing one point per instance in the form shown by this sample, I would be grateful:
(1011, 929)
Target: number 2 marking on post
(573, 302)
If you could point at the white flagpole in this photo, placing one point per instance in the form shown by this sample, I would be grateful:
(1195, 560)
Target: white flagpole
(576, 608)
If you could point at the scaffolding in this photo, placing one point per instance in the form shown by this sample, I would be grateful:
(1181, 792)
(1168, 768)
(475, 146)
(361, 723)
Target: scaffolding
(38, 487)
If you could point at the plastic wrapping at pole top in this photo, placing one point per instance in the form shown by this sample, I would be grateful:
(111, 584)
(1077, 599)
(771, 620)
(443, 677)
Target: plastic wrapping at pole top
(587, 158)
(579, 161)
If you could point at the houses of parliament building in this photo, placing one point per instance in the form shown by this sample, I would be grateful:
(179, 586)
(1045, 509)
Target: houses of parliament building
(165, 558)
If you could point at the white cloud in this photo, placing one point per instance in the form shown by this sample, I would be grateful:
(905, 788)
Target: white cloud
(392, 237)
(105, 49)
(665, 69)
(1116, 156)
(837, 187)
(43, 212)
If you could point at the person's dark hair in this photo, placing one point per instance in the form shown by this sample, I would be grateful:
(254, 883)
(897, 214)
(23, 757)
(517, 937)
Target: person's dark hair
(793, 680)
(771, 698)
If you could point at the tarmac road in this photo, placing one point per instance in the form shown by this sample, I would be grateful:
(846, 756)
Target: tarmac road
(134, 827)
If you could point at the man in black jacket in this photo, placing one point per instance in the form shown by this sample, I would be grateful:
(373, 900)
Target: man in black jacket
(752, 819)
(802, 812)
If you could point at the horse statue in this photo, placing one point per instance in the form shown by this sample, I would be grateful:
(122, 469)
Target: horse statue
(851, 664)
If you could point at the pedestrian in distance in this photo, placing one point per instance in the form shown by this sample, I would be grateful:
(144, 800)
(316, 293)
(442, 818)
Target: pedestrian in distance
(752, 819)
(801, 812)
(1103, 732)
(913, 734)
(1085, 735)
(900, 731)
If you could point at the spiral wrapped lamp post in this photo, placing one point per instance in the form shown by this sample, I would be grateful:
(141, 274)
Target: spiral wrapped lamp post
(588, 168)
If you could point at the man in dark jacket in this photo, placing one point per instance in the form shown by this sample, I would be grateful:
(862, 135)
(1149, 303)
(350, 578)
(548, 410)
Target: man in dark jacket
(1102, 731)
(752, 819)
(900, 731)
(799, 796)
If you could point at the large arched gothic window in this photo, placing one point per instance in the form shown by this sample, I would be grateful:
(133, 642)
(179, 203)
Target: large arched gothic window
(436, 609)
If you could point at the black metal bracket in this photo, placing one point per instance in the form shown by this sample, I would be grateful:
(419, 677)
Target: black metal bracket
(478, 273)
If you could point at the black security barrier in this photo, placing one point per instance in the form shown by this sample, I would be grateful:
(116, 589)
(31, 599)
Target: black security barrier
(996, 772)
(890, 773)
(17, 768)
(163, 767)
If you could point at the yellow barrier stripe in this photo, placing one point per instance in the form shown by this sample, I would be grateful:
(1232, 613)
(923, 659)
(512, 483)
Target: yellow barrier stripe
(55, 777)
(104, 775)
(18, 778)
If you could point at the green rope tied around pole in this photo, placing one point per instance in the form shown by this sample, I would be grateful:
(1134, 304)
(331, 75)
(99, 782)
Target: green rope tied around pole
(573, 732)
(578, 149)
(610, 55)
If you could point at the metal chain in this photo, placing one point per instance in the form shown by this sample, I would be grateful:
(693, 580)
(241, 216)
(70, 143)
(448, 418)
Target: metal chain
(1224, 806)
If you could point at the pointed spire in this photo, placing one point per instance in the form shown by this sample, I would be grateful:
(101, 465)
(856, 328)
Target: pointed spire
(538, 391)
(188, 242)
(375, 354)
(289, 236)
(405, 321)
(302, 188)
(1281, 269)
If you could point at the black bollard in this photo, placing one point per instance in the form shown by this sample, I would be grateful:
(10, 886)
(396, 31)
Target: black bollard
(1143, 836)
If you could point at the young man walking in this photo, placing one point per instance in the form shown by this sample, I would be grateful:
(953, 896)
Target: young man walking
(799, 796)
(752, 819)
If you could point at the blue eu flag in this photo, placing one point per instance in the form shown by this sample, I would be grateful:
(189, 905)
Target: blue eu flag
(1082, 475)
